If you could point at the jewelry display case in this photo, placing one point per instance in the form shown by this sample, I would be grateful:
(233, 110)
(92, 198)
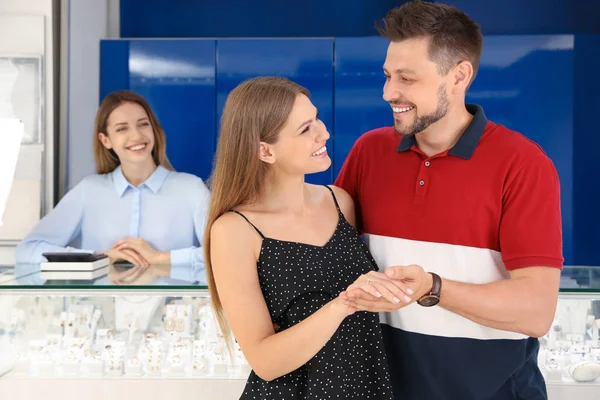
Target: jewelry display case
(569, 355)
(131, 332)
(151, 333)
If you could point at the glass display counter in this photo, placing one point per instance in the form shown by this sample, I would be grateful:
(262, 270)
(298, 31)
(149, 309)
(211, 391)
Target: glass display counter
(128, 332)
(152, 333)
(569, 355)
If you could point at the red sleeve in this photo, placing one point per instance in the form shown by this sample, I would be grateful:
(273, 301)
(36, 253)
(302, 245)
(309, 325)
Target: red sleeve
(349, 180)
(530, 229)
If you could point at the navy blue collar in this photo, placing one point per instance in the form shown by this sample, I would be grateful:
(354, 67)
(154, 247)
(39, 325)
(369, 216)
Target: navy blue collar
(465, 147)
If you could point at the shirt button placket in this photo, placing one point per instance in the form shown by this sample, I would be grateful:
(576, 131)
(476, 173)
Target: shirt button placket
(135, 213)
(422, 180)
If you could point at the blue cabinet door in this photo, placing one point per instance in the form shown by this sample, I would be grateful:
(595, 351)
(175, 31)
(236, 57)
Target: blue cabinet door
(308, 62)
(177, 77)
(359, 79)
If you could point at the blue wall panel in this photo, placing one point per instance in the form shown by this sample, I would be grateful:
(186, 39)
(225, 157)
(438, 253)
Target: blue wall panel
(308, 62)
(359, 79)
(586, 177)
(350, 18)
(178, 80)
(114, 66)
(526, 84)
(518, 17)
(250, 18)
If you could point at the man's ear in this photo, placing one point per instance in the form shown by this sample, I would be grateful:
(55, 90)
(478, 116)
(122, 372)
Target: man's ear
(266, 153)
(462, 75)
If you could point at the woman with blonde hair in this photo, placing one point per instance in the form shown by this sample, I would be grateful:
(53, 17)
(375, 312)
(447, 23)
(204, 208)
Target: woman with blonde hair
(281, 252)
(136, 208)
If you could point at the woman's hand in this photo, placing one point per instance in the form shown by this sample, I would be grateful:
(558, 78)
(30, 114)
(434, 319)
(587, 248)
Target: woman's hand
(141, 247)
(128, 255)
(374, 291)
(341, 306)
(128, 276)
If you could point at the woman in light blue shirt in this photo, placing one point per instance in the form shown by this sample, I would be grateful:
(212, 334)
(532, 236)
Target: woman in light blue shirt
(136, 208)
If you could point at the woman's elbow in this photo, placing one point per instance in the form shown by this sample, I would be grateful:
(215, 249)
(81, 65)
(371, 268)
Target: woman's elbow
(30, 252)
(264, 371)
(23, 254)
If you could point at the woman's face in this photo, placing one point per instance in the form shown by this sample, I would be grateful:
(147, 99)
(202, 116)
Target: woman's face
(300, 148)
(129, 134)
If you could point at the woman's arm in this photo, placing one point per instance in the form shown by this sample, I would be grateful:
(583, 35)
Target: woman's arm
(56, 230)
(194, 255)
(233, 257)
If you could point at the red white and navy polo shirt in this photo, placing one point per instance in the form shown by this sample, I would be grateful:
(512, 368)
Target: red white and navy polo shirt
(488, 205)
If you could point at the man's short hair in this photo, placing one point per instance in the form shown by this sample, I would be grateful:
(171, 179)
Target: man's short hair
(453, 36)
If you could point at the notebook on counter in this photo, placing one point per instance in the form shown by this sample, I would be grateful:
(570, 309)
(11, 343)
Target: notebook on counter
(74, 261)
(75, 275)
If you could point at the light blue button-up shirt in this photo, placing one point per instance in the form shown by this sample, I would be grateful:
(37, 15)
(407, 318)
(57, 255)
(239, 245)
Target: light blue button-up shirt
(168, 211)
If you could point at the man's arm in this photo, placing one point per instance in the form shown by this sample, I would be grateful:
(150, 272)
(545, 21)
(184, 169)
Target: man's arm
(530, 239)
(525, 303)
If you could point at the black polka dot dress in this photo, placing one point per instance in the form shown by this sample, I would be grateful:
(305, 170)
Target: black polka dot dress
(297, 279)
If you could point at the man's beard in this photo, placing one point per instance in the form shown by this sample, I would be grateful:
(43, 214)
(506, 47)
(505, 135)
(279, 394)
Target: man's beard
(423, 122)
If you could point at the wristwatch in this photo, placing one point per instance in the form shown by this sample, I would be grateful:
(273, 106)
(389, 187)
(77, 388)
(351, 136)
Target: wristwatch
(433, 297)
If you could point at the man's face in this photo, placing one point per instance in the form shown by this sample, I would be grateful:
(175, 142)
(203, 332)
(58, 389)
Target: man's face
(414, 88)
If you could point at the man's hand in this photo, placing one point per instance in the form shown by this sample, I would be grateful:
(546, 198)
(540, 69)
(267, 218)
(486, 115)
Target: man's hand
(142, 247)
(412, 278)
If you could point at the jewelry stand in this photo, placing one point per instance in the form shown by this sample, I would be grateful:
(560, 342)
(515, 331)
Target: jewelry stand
(143, 307)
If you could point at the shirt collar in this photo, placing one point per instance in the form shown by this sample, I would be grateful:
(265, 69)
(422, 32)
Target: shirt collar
(465, 147)
(154, 182)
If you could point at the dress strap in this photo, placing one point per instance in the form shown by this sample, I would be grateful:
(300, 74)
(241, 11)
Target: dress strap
(334, 199)
(248, 221)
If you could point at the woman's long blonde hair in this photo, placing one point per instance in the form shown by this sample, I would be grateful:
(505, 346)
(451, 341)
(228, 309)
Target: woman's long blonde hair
(254, 112)
(107, 160)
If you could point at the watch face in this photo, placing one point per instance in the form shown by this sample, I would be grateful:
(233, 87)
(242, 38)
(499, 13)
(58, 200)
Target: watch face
(429, 301)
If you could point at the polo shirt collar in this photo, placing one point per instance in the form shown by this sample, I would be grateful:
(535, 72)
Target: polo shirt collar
(465, 147)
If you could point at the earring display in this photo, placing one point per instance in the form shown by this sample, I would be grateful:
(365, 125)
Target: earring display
(570, 351)
(176, 366)
(72, 364)
(133, 367)
(178, 319)
(88, 338)
(199, 357)
(92, 364)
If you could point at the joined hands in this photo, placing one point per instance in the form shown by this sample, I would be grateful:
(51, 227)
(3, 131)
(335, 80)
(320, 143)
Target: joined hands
(391, 290)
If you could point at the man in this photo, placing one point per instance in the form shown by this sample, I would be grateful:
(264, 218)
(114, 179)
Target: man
(463, 212)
